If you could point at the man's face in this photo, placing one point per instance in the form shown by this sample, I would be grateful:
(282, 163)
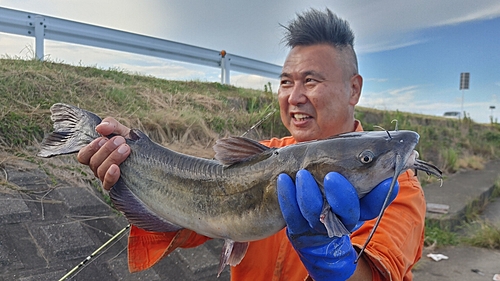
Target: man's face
(316, 96)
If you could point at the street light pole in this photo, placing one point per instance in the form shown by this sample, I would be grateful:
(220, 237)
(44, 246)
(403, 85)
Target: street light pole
(464, 85)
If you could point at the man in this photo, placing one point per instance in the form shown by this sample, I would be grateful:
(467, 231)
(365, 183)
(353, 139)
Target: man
(319, 89)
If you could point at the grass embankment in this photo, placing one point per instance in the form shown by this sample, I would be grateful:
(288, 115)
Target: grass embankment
(190, 116)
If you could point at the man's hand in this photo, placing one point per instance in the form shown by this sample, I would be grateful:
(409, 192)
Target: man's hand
(301, 203)
(103, 155)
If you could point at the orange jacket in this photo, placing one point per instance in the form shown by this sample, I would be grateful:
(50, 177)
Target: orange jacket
(393, 250)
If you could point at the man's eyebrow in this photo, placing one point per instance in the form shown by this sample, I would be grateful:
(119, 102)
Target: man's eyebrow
(313, 73)
(284, 75)
(304, 74)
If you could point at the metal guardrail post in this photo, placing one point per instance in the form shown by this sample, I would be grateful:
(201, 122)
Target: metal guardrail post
(39, 24)
(225, 66)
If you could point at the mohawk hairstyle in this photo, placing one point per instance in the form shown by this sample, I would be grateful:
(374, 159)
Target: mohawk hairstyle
(317, 27)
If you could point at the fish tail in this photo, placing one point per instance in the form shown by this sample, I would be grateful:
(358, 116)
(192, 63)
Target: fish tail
(74, 128)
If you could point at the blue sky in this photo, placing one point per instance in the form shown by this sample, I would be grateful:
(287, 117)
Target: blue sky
(411, 54)
(427, 74)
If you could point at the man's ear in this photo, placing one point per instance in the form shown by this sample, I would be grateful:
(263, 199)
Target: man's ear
(356, 86)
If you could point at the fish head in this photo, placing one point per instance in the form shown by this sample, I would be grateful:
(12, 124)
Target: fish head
(364, 158)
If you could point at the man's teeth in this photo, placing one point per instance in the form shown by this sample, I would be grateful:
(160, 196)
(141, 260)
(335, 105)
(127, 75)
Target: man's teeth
(300, 116)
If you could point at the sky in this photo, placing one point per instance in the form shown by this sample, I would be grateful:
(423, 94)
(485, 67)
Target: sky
(410, 53)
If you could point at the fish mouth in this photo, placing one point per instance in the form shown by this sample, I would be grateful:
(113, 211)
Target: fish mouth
(427, 168)
(417, 164)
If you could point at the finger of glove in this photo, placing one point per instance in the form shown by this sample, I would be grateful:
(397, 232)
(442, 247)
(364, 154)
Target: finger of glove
(331, 261)
(343, 199)
(287, 199)
(309, 199)
(372, 203)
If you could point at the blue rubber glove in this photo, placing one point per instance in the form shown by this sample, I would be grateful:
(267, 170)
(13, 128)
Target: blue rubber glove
(326, 258)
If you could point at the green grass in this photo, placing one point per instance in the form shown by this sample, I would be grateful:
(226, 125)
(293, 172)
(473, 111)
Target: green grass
(483, 234)
(438, 236)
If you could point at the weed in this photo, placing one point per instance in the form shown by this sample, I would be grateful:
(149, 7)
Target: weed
(451, 157)
(492, 136)
(485, 235)
(496, 189)
(268, 89)
(436, 235)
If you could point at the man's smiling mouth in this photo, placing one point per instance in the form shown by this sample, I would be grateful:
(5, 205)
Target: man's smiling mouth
(300, 117)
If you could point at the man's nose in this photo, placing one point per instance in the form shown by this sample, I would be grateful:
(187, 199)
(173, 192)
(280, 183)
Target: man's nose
(297, 95)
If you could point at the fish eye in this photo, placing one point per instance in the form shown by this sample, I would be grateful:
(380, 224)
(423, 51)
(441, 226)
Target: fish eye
(366, 157)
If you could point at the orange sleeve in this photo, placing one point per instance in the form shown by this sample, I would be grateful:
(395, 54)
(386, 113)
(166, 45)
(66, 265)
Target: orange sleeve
(275, 142)
(397, 244)
(272, 258)
(146, 248)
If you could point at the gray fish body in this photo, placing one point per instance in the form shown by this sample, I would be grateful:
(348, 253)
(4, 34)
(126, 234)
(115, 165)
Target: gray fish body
(161, 190)
(201, 194)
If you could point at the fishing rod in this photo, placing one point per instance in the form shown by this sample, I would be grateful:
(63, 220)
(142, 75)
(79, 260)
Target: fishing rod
(259, 122)
(88, 259)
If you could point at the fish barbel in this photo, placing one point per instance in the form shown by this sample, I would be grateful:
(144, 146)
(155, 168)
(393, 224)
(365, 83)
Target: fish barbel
(233, 196)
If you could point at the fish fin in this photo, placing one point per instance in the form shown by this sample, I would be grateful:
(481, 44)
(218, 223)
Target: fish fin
(136, 212)
(74, 128)
(237, 149)
(238, 253)
(146, 248)
(334, 226)
(232, 254)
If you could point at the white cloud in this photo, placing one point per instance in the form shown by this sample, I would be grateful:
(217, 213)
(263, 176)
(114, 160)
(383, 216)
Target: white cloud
(254, 82)
(391, 99)
(409, 99)
(481, 13)
(387, 45)
(17, 46)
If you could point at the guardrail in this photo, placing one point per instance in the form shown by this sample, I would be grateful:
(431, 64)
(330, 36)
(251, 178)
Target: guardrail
(45, 27)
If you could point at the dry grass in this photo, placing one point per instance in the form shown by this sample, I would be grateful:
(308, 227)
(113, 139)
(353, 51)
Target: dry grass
(169, 111)
(483, 234)
(473, 162)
